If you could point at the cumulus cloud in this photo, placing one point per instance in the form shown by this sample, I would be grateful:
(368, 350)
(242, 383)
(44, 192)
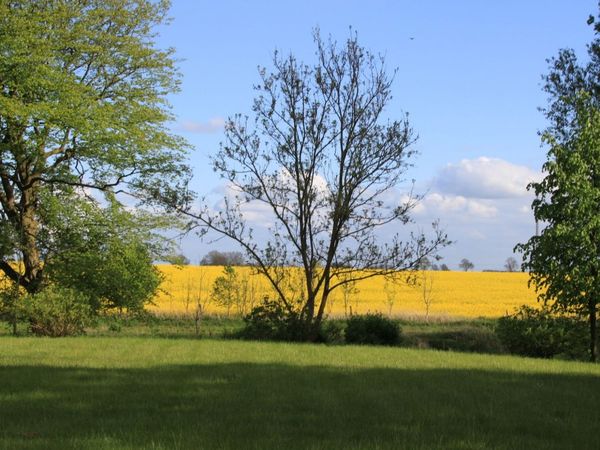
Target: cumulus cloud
(212, 126)
(443, 205)
(485, 178)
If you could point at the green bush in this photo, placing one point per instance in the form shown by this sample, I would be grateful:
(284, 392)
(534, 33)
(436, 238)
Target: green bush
(466, 340)
(372, 329)
(57, 311)
(270, 321)
(539, 333)
(331, 332)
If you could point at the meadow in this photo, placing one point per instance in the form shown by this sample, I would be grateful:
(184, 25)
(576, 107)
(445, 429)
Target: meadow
(141, 393)
(453, 294)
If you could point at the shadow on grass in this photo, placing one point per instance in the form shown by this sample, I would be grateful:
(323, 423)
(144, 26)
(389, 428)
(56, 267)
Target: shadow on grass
(278, 406)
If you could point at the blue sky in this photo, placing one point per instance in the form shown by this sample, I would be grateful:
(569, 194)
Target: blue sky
(469, 75)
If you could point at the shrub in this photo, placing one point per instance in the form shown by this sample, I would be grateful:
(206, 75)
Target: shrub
(272, 322)
(114, 275)
(331, 332)
(469, 339)
(539, 333)
(373, 329)
(57, 311)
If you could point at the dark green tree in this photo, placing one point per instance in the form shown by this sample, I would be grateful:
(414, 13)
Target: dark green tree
(82, 105)
(563, 259)
(466, 265)
(106, 253)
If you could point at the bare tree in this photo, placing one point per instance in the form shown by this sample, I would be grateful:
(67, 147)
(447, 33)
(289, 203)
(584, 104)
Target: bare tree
(511, 264)
(349, 291)
(247, 294)
(202, 299)
(320, 156)
(425, 283)
(466, 265)
(390, 289)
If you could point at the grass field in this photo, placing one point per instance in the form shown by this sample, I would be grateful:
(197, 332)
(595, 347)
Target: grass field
(101, 393)
(454, 294)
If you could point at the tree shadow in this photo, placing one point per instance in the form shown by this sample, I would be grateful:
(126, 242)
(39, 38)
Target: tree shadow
(281, 406)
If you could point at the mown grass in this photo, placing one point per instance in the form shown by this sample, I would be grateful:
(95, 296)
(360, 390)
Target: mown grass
(130, 392)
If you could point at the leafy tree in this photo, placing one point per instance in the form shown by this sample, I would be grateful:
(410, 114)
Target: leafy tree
(106, 254)
(226, 289)
(217, 258)
(177, 259)
(82, 105)
(444, 267)
(466, 265)
(511, 264)
(320, 156)
(563, 259)
(425, 264)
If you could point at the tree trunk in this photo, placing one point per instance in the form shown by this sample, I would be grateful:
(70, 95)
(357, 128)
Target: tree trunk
(32, 276)
(592, 312)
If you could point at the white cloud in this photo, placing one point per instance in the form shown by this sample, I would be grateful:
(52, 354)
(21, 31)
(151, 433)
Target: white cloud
(212, 126)
(256, 213)
(485, 178)
(444, 205)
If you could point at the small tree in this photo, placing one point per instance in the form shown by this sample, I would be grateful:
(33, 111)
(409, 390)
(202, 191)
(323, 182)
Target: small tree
(511, 264)
(226, 289)
(349, 292)
(444, 267)
(201, 297)
(466, 265)
(247, 293)
(390, 288)
(425, 284)
(320, 157)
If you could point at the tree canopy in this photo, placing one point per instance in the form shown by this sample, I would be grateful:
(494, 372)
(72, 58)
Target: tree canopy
(563, 259)
(82, 108)
(466, 265)
(106, 253)
(511, 264)
(217, 258)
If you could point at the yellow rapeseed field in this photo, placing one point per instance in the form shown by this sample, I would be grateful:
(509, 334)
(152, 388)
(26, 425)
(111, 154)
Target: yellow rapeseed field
(452, 294)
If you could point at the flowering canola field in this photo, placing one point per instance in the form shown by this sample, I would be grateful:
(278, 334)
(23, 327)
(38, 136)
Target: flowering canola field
(452, 294)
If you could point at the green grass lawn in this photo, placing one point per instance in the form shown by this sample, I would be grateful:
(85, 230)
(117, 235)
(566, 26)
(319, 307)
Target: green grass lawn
(132, 392)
